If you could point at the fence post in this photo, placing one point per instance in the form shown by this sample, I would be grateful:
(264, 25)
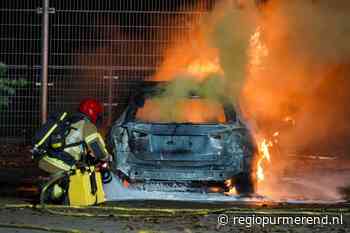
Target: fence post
(110, 98)
(45, 59)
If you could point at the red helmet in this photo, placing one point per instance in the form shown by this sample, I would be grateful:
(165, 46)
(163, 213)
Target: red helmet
(91, 108)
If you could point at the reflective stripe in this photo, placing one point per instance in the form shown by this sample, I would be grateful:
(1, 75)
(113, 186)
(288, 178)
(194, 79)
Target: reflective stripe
(63, 116)
(50, 131)
(101, 140)
(92, 137)
(56, 145)
(46, 135)
(57, 163)
(103, 144)
(63, 156)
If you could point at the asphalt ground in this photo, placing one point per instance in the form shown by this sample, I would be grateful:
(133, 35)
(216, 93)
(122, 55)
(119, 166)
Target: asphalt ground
(19, 213)
(18, 216)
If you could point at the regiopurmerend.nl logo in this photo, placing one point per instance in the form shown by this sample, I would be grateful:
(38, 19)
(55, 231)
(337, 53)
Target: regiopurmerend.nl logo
(263, 220)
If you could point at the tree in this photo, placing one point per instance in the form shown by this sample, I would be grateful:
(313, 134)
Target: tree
(8, 86)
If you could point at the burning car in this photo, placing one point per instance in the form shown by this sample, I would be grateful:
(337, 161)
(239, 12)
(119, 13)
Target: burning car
(207, 146)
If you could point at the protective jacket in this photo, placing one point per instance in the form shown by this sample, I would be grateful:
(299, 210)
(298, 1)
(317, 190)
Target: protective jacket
(81, 139)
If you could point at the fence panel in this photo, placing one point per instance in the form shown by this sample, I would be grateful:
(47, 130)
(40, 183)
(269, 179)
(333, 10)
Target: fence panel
(99, 49)
(20, 28)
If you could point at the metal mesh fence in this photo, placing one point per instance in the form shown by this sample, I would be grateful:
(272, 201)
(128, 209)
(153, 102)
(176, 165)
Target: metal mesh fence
(20, 27)
(99, 49)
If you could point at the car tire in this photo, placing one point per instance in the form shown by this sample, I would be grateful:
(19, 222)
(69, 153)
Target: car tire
(245, 185)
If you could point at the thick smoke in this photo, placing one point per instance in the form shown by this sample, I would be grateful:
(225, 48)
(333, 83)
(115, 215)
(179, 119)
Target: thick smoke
(286, 64)
(217, 47)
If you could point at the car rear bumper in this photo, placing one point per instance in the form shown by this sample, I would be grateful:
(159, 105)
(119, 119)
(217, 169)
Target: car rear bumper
(139, 173)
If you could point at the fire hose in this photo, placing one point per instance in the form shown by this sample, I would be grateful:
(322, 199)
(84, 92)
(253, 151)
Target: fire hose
(52, 181)
(39, 228)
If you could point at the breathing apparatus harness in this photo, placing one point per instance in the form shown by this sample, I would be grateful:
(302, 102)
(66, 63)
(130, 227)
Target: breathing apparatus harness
(51, 137)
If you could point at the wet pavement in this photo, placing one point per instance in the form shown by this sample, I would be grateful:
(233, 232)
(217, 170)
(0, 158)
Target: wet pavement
(142, 217)
(145, 212)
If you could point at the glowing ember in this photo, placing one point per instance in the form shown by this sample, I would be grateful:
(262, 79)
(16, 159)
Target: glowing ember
(289, 119)
(264, 153)
(276, 134)
(232, 189)
(126, 184)
(228, 183)
(215, 189)
(231, 192)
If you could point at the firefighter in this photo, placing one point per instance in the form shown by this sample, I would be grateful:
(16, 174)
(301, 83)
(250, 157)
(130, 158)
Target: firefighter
(66, 140)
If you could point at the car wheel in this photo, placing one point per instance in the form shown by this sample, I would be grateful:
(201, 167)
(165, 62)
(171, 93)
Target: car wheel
(245, 185)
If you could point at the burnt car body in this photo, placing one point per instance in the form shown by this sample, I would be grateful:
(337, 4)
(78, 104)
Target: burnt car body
(186, 153)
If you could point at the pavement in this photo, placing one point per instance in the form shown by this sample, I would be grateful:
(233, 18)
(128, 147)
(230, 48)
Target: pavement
(19, 216)
(130, 213)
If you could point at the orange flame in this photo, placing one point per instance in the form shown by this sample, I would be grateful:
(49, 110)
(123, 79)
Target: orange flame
(184, 110)
(232, 188)
(264, 153)
(201, 68)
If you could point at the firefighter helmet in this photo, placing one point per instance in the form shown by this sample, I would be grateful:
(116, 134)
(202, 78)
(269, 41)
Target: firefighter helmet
(91, 108)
